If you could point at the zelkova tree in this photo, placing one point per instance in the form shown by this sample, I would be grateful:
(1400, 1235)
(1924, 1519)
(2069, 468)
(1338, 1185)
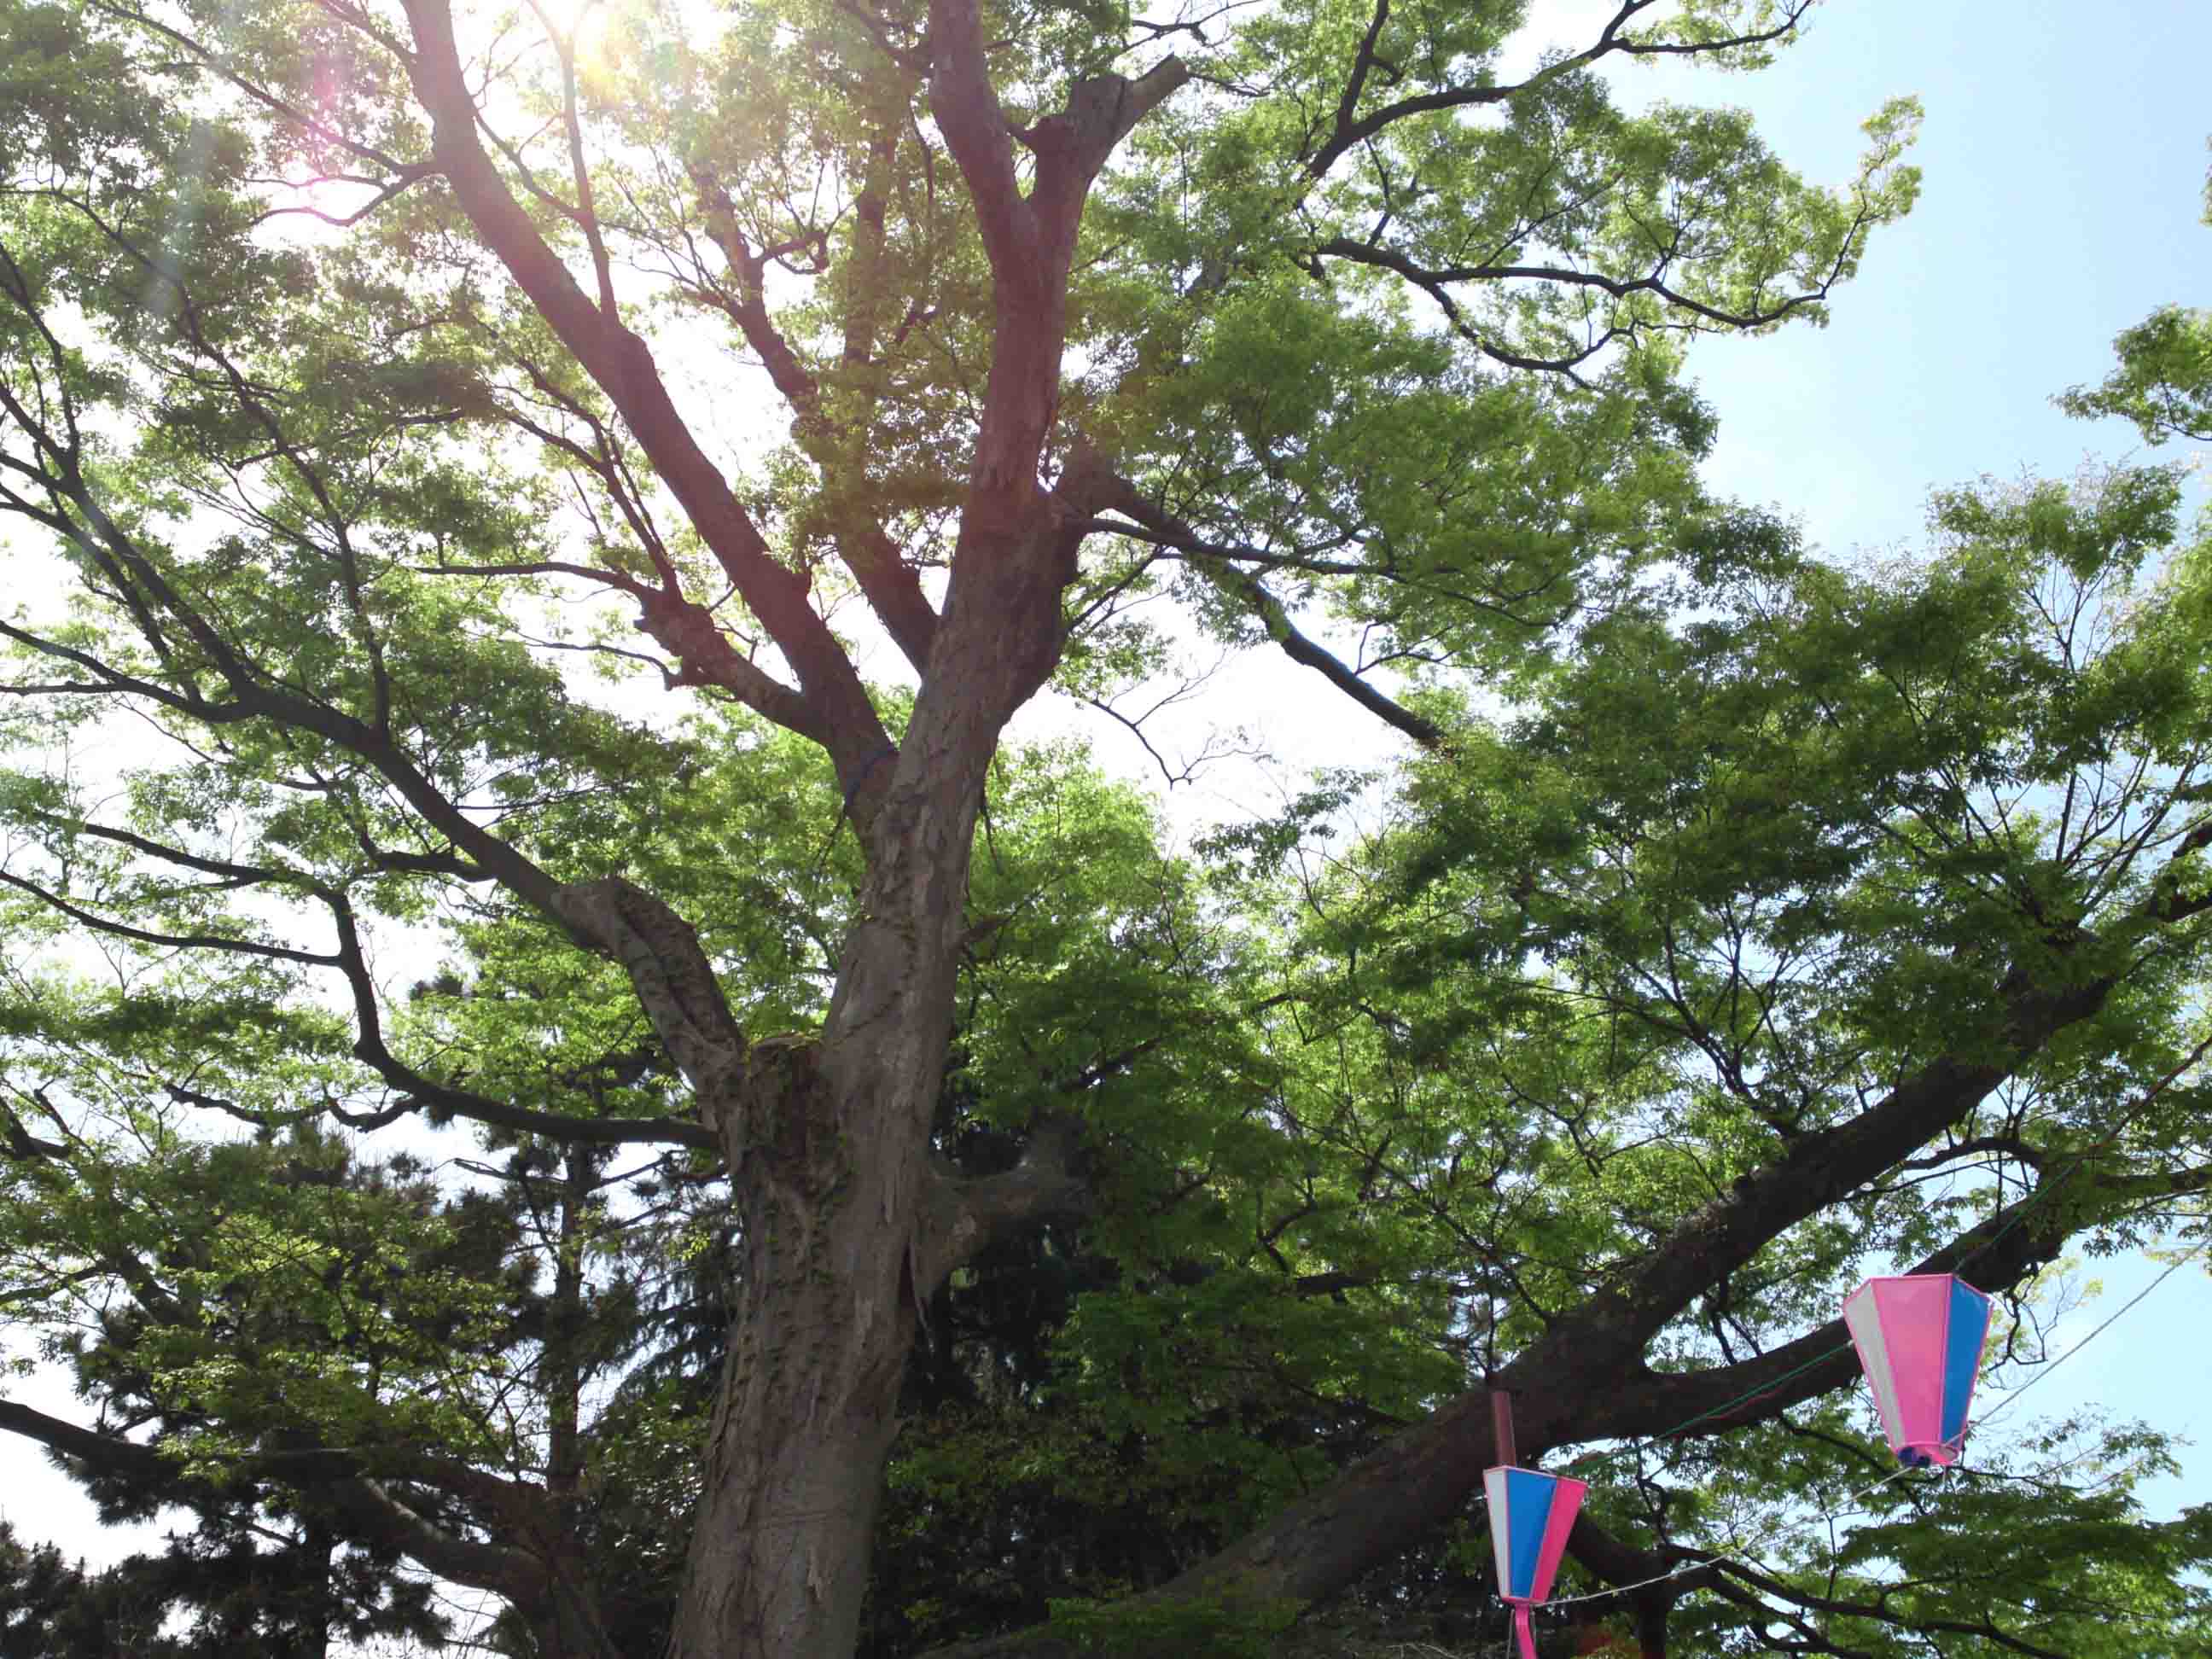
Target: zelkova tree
(2164, 380)
(742, 321)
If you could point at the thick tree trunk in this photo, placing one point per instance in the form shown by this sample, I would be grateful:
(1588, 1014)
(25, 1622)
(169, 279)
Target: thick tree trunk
(827, 1144)
(845, 1221)
(807, 1407)
(779, 1557)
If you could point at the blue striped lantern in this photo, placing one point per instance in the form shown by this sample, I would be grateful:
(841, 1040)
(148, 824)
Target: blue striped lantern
(1919, 1339)
(1530, 1516)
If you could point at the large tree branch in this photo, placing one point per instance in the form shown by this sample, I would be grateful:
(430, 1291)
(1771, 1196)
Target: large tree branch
(1996, 1254)
(966, 1214)
(687, 630)
(891, 586)
(966, 109)
(426, 1092)
(258, 696)
(1173, 531)
(1348, 130)
(660, 952)
(1072, 147)
(622, 364)
(705, 655)
(106, 682)
(379, 1516)
(1030, 243)
(673, 980)
(108, 1453)
(1822, 1168)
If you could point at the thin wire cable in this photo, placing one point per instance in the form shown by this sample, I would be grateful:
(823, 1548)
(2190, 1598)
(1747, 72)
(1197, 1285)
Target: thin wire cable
(1592, 1459)
(2171, 1268)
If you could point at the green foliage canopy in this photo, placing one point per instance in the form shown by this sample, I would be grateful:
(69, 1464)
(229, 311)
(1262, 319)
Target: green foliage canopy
(371, 376)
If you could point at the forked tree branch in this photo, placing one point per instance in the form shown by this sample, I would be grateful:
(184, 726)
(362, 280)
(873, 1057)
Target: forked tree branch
(1030, 243)
(887, 583)
(421, 1091)
(622, 365)
(1349, 130)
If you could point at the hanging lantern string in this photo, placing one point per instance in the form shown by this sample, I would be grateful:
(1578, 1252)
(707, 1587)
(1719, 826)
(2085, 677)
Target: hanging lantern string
(2045, 1191)
(1594, 1459)
(1735, 1551)
(1737, 1556)
(2043, 1194)
(2005, 1404)
(1641, 1584)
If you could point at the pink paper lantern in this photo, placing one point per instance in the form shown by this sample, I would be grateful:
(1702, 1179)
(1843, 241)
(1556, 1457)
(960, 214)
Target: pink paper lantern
(1919, 1340)
(1530, 1516)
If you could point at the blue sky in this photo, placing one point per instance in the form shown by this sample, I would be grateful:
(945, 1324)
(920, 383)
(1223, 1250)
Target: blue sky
(2064, 153)
(2065, 158)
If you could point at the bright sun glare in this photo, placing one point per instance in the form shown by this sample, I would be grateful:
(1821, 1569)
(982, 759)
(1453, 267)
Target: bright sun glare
(315, 208)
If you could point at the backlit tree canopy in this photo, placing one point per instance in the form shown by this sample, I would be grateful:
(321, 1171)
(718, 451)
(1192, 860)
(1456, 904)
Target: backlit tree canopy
(528, 528)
